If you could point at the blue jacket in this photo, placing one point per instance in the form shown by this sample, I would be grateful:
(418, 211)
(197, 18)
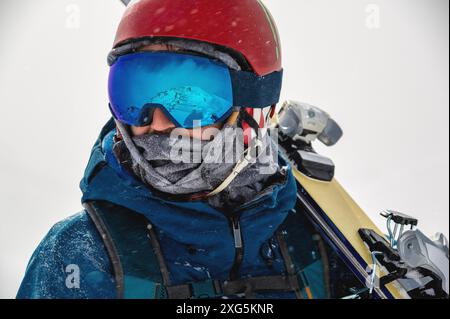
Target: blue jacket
(196, 240)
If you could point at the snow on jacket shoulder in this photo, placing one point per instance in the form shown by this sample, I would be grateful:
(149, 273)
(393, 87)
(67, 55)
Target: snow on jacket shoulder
(70, 263)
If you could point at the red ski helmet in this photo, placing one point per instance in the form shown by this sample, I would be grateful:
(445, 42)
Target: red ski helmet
(245, 27)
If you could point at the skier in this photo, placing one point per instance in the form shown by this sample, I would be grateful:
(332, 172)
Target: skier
(157, 228)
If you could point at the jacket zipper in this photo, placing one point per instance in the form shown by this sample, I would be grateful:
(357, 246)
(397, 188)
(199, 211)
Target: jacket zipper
(237, 232)
(238, 246)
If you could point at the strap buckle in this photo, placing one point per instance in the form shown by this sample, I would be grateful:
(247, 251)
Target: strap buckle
(206, 289)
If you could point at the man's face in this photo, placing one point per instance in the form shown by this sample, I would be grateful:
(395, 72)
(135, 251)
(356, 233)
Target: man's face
(161, 124)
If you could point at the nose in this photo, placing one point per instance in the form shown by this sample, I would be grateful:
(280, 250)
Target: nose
(161, 122)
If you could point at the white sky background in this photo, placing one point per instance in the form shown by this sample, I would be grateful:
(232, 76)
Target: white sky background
(386, 83)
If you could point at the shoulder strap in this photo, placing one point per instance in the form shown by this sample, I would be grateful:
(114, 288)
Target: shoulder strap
(139, 270)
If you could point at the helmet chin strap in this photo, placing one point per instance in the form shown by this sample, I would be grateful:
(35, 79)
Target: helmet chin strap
(249, 156)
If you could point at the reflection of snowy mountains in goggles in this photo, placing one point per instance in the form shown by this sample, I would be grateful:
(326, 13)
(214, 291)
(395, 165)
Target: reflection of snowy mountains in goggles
(187, 88)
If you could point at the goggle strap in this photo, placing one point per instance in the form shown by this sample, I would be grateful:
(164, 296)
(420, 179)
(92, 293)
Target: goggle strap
(251, 90)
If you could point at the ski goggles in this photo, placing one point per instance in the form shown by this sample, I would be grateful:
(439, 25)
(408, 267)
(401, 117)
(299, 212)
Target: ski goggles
(191, 90)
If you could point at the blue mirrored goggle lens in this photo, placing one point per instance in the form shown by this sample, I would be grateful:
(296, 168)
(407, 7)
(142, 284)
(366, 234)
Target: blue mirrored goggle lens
(191, 90)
